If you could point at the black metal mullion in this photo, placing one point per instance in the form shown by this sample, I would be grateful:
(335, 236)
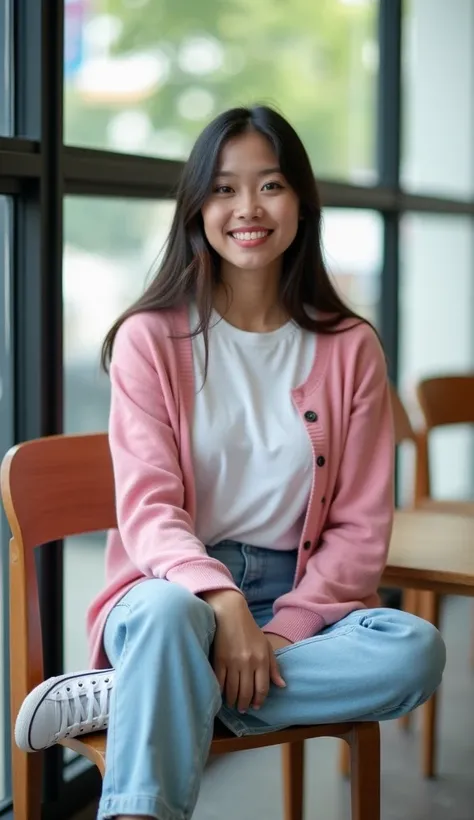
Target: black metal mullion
(19, 165)
(389, 93)
(85, 164)
(19, 145)
(389, 295)
(388, 158)
(90, 172)
(51, 205)
(119, 190)
(9, 186)
(39, 65)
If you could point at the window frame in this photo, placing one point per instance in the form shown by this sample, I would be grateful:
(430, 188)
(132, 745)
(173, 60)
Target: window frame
(37, 170)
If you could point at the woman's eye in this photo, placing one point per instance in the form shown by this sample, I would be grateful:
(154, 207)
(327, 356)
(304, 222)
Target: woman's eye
(222, 189)
(272, 186)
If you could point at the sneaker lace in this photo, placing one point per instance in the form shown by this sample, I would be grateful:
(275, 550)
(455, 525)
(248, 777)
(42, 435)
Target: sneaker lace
(86, 706)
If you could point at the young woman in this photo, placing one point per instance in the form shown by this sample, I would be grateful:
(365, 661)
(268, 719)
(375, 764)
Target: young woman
(252, 447)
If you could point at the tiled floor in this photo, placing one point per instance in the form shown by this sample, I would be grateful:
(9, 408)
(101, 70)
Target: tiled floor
(247, 786)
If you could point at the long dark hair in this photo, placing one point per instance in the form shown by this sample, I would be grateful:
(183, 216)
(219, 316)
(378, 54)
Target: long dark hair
(190, 267)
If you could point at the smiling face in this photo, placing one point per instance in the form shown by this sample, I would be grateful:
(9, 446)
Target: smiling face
(251, 216)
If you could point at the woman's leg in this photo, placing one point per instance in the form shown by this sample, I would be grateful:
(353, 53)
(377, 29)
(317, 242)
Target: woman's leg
(163, 703)
(375, 664)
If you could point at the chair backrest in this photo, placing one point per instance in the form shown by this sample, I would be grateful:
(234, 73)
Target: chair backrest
(404, 431)
(51, 488)
(447, 400)
(403, 426)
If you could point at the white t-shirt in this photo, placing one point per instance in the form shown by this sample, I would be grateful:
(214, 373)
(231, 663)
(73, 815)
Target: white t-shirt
(252, 455)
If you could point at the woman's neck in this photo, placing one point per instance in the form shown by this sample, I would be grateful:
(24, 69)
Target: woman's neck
(250, 300)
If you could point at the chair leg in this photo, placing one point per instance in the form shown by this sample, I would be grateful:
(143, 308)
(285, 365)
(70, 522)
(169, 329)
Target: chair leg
(364, 741)
(293, 780)
(27, 772)
(430, 611)
(430, 712)
(344, 759)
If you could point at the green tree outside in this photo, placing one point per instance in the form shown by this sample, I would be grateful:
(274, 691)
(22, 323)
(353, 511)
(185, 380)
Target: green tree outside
(315, 60)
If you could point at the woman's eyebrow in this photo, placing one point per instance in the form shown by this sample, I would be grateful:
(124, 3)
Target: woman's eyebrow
(265, 172)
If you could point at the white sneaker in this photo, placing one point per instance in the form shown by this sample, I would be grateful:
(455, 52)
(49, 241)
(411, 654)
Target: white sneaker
(66, 706)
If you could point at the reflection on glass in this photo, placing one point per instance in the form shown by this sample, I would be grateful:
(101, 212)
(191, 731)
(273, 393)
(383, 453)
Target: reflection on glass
(436, 298)
(6, 441)
(352, 242)
(438, 103)
(110, 247)
(6, 69)
(145, 77)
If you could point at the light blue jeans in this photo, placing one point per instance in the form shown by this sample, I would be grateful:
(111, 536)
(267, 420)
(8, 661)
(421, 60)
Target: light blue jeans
(373, 665)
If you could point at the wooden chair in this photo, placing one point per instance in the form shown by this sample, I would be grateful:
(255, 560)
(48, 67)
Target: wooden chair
(444, 400)
(61, 486)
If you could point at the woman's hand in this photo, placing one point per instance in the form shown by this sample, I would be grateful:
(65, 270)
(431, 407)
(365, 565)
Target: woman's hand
(243, 660)
(277, 641)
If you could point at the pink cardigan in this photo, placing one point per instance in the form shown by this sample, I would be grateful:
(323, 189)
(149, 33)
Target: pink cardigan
(345, 407)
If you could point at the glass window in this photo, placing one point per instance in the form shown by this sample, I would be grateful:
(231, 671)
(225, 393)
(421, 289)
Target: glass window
(6, 441)
(110, 247)
(436, 298)
(6, 69)
(438, 100)
(352, 241)
(145, 77)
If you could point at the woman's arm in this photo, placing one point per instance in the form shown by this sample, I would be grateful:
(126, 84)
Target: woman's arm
(157, 532)
(350, 558)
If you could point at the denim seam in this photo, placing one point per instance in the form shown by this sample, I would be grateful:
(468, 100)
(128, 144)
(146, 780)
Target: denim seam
(243, 580)
(120, 663)
(421, 700)
(316, 638)
(113, 806)
(198, 763)
(240, 728)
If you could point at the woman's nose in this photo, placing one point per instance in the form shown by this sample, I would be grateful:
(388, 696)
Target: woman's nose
(247, 207)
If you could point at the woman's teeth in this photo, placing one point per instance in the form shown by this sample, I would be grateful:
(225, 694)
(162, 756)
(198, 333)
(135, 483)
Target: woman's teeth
(247, 235)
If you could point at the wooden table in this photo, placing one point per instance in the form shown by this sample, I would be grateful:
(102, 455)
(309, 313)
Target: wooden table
(431, 551)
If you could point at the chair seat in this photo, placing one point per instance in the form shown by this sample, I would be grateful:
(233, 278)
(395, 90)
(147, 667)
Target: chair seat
(93, 746)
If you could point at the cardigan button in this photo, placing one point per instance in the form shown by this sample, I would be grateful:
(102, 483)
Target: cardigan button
(310, 415)
(307, 545)
(320, 461)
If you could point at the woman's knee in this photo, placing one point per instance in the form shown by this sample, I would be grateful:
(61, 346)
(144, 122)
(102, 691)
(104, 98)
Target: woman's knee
(421, 652)
(159, 605)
